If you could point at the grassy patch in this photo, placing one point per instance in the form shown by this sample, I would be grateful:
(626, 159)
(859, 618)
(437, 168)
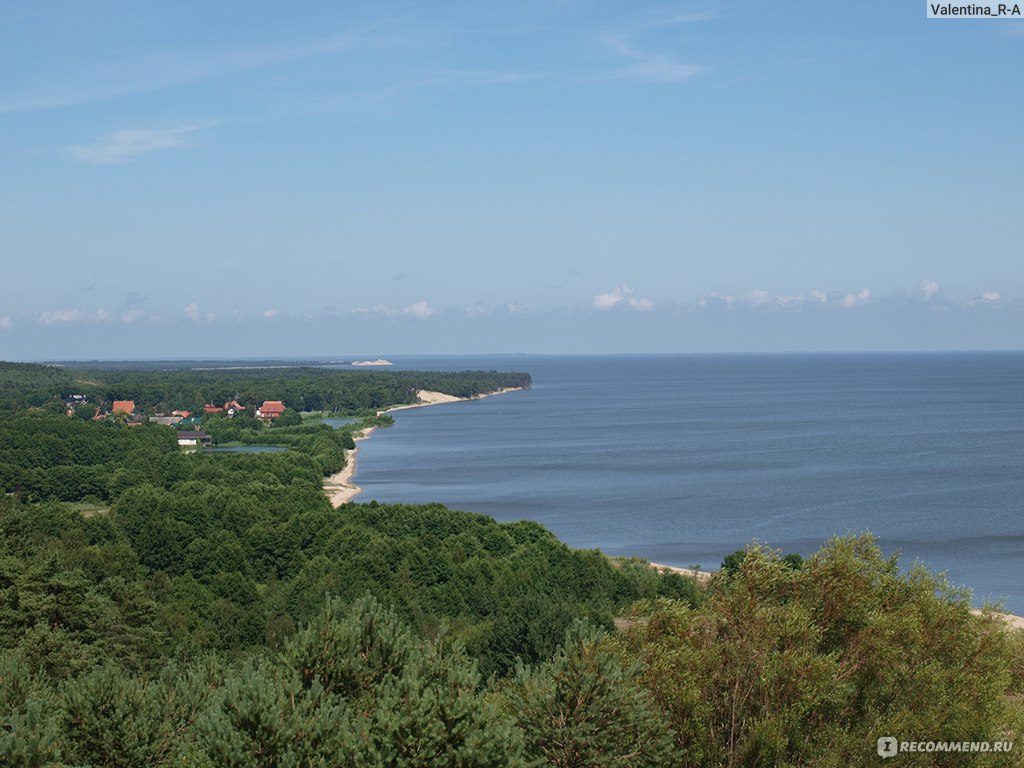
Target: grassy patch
(89, 508)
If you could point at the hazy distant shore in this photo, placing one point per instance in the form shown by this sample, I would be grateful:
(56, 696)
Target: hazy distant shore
(340, 488)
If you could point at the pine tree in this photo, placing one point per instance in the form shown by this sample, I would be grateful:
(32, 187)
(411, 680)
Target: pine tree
(585, 708)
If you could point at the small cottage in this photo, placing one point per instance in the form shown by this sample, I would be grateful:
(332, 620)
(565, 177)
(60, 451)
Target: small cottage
(271, 409)
(193, 437)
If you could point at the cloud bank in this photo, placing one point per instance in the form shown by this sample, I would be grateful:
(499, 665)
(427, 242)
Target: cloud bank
(623, 296)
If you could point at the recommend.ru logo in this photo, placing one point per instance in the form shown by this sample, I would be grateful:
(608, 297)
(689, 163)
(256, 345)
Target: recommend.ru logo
(888, 746)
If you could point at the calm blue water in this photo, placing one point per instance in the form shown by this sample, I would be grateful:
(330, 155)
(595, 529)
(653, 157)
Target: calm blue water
(683, 459)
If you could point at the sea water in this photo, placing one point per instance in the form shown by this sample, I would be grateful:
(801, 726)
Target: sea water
(683, 459)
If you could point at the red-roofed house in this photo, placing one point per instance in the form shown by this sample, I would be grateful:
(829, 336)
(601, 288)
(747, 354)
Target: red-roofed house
(212, 408)
(271, 409)
(123, 406)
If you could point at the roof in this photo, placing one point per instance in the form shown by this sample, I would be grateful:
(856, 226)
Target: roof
(123, 406)
(192, 435)
(212, 409)
(168, 420)
(272, 406)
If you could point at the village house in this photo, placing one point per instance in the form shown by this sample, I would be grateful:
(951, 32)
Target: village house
(126, 407)
(73, 401)
(271, 409)
(193, 437)
(231, 406)
(166, 420)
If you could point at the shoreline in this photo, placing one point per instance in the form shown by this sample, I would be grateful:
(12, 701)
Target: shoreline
(1010, 620)
(701, 577)
(339, 487)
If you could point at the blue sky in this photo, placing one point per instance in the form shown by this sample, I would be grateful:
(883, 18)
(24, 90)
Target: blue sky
(233, 179)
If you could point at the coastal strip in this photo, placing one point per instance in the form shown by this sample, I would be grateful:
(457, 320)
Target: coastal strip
(1010, 620)
(702, 577)
(340, 488)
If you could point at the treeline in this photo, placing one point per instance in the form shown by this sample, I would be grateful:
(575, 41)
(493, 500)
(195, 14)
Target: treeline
(236, 568)
(51, 457)
(44, 455)
(770, 666)
(302, 389)
(26, 385)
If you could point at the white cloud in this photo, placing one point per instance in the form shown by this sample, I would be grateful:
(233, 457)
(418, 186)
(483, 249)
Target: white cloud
(714, 298)
(986, 297)
(52, 316)
(759, 297)
(516, 308)
(121, 146)
(479, 77)
(268, 313)
(196, 315)
(59, 316)
(419, 309)
(164, 69)
(651, 67)
(850, 300)
(622, 296)
(132, 316)
(762, 298)
(6, 323)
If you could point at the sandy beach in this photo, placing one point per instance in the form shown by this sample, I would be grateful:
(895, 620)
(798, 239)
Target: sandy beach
(698, 576)
(339, 487)
(426, 397)
(1014, 622)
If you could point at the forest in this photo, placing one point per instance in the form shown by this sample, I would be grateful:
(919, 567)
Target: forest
(162, 608)
(300, 388)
